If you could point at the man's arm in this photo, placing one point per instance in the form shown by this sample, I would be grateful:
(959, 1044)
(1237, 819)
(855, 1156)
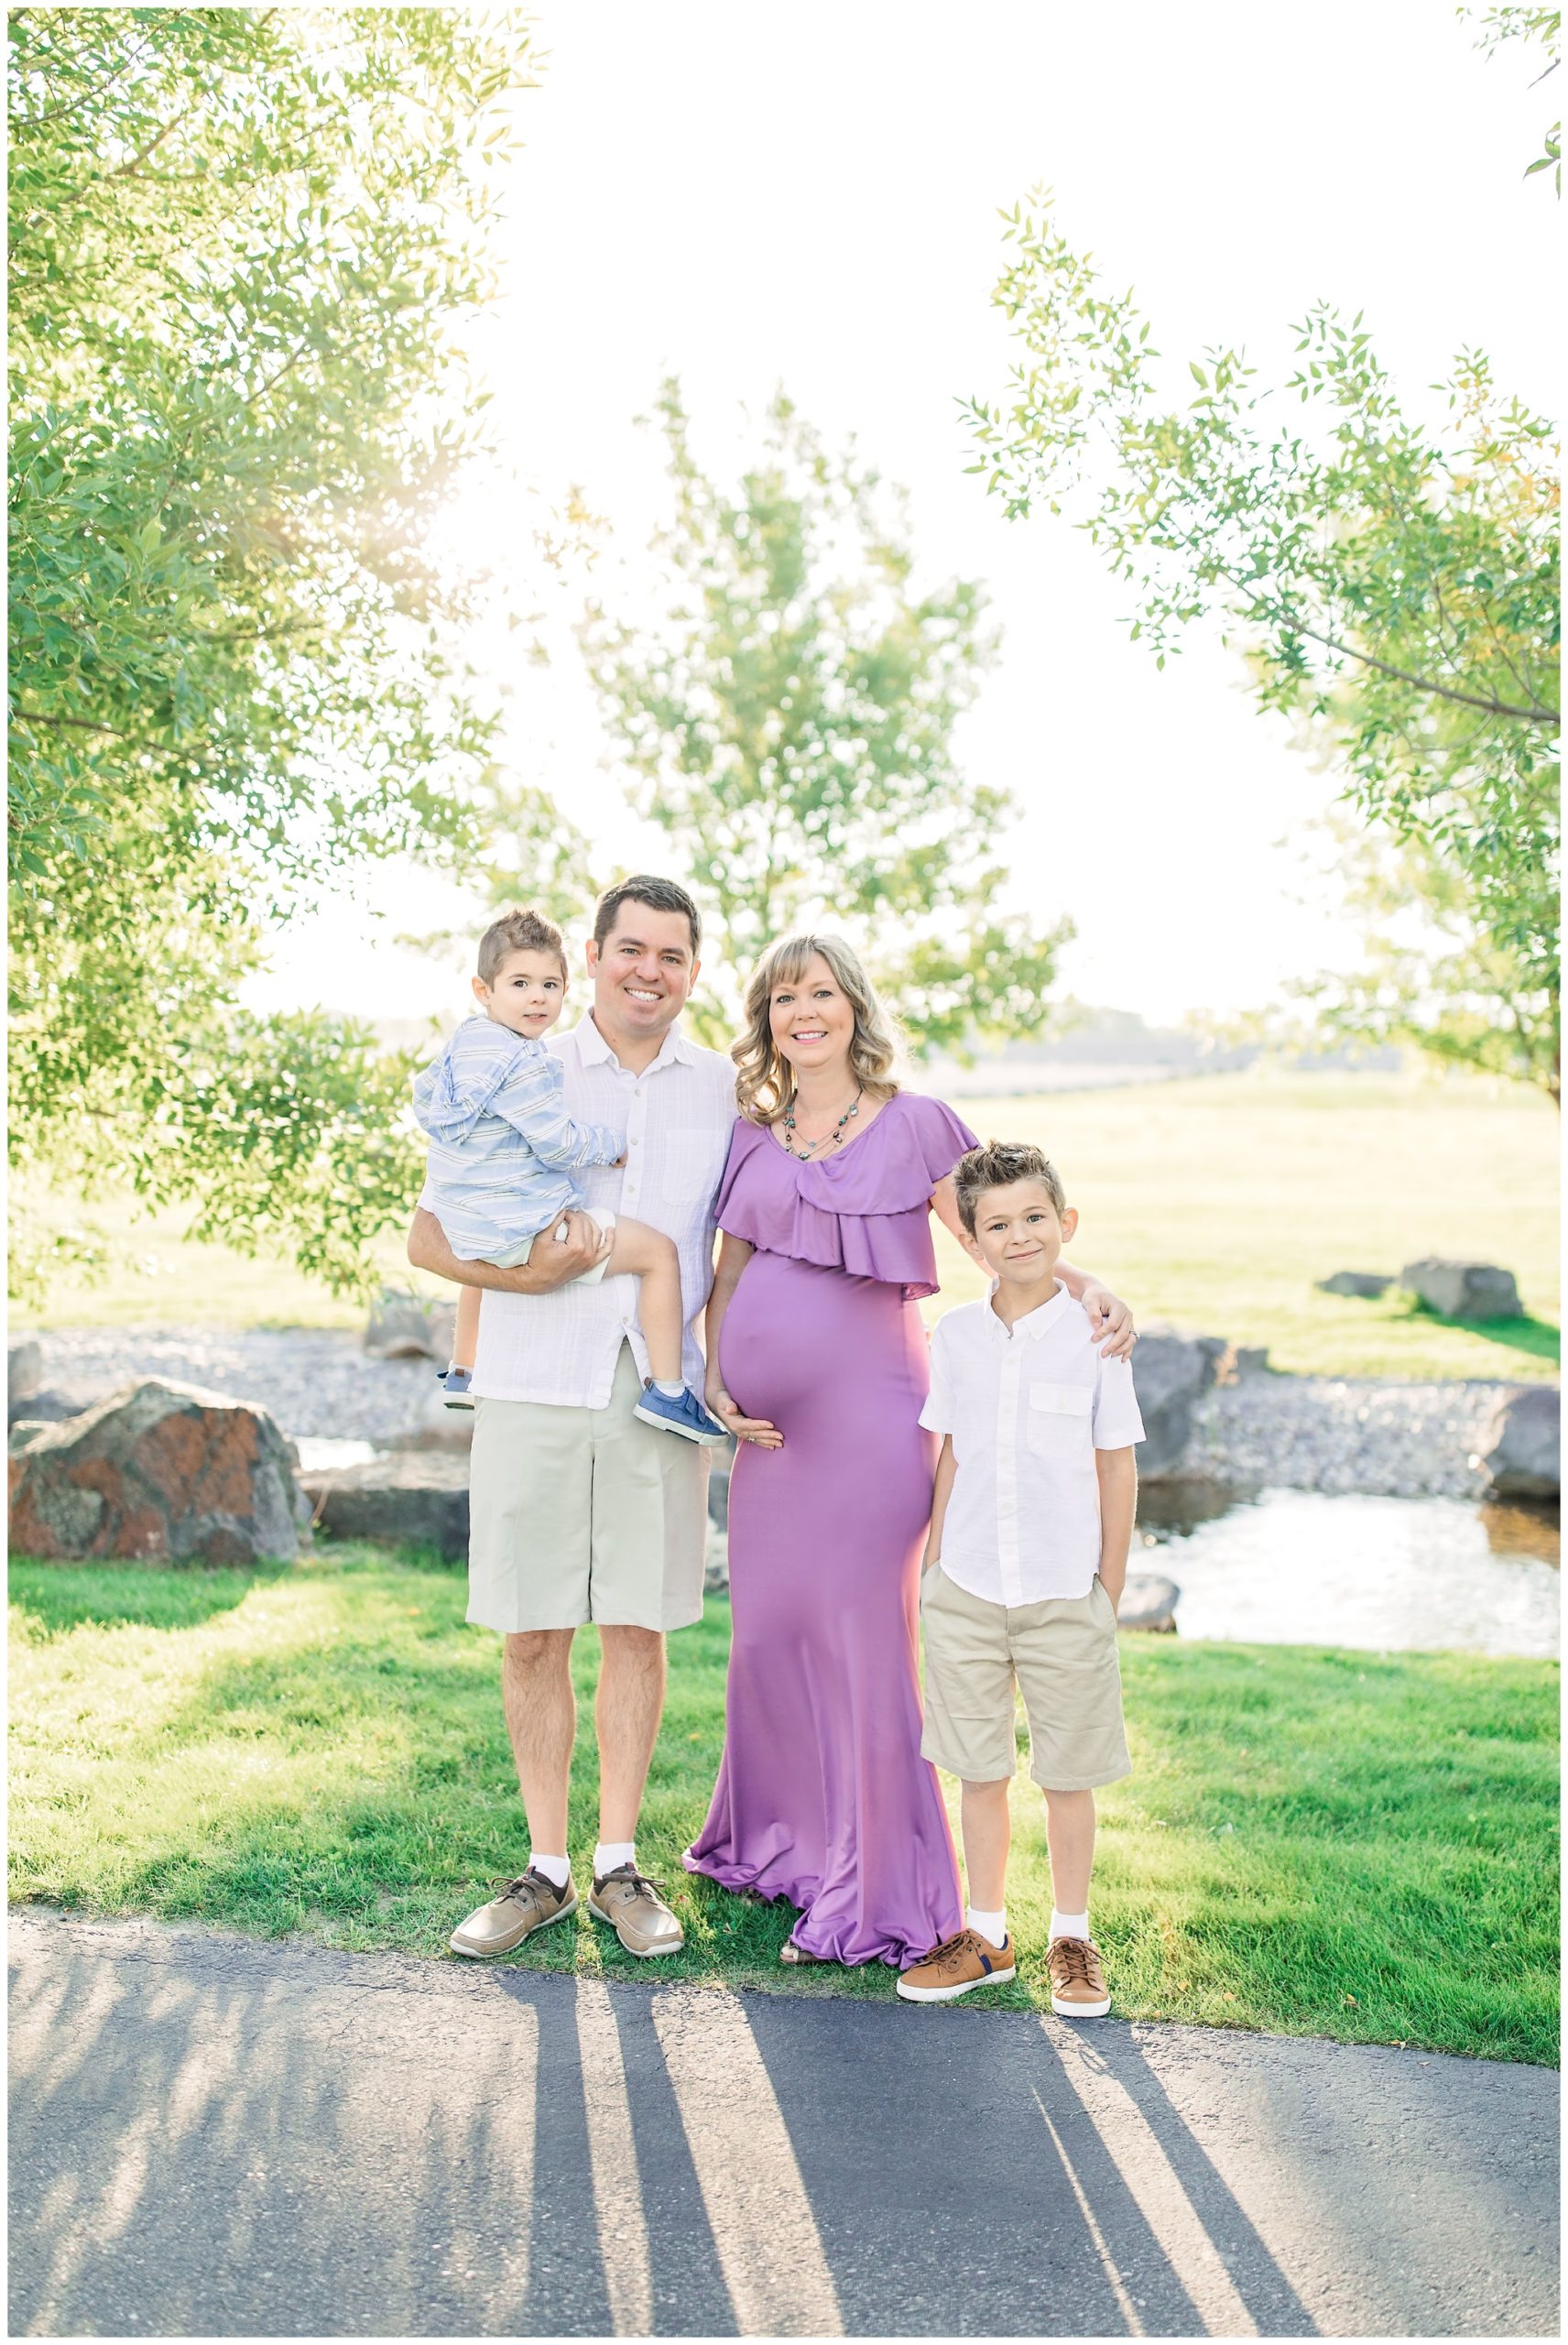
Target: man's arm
(1117, 1472)
(551, 1267)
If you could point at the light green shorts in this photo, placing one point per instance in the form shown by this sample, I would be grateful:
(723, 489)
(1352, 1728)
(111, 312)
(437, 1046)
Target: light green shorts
(584, 1514)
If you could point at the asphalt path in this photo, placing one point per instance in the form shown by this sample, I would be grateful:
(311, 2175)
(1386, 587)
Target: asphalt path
(212, 2136)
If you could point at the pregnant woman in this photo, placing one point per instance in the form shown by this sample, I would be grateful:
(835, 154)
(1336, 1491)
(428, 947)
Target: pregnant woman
(817, 1360)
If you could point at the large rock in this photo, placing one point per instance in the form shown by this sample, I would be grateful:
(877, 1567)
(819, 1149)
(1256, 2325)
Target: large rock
(437, 1427)
(1463, 1290)
(401, 1327)
(158, 1473)
(24, 1369)
(1149, 1602)
(1521, 1448)
(406, 1499)
(1170, 1372)
(1367, 1284)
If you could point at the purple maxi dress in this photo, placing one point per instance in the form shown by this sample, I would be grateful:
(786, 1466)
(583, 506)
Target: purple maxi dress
(822, 1797)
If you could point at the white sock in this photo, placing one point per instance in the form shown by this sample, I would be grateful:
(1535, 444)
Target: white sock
(993, 1927)
(556, 1869)
(1069, 1925)
(671, 1391)
(609, 1854)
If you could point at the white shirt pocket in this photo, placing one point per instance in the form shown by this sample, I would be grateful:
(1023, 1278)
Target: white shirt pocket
(1058, 1420)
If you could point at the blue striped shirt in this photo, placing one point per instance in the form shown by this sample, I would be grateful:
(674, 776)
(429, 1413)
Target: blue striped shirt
(503, 1148)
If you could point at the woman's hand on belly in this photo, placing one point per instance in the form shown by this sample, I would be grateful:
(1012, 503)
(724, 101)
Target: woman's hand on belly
(756, 1430)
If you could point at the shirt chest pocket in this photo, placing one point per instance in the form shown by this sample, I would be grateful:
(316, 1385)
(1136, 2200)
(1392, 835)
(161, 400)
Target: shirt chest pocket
(1058, 1420)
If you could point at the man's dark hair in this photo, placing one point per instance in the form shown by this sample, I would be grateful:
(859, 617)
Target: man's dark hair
(659, 895)
(996, 1166)
(528, 931)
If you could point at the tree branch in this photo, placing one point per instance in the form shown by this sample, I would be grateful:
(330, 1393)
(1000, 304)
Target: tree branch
(130, 170)
(1530, 715)
(76, 724)
(74, 105)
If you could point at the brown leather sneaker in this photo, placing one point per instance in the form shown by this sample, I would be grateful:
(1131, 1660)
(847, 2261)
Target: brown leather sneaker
(531, 1903)
(1078, 1988)
(638, 1915)
(955, 1966)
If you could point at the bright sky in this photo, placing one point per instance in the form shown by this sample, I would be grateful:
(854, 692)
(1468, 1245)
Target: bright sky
(810, 195)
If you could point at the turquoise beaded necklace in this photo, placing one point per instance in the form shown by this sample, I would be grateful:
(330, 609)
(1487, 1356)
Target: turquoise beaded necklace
(828, 1140)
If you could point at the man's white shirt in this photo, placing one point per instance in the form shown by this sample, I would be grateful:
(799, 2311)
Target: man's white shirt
(676, 1118)
(1027, 1412)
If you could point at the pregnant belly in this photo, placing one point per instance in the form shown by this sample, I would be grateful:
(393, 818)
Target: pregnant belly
(801, 1344)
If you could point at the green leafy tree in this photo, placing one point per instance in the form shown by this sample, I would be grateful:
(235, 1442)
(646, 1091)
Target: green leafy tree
(1392, 585)
(1435, 973)
(788, 722)
(240, 240)
(1538, 28)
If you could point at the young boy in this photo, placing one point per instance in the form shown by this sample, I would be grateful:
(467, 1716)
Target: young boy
(1024, 1567)
(502, 1149)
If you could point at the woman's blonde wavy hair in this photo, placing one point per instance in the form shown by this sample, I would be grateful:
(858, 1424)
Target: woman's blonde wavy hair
(764, 1084)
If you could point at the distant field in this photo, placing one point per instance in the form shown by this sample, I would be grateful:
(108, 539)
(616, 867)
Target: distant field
(159, 1277)
(1213, 1204)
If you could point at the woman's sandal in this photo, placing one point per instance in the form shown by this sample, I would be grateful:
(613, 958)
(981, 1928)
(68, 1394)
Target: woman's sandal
(792, 1956)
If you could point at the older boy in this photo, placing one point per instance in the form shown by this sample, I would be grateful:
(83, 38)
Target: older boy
(1026, 1559)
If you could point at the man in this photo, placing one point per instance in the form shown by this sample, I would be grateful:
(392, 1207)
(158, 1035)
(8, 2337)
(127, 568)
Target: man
(579, 1512)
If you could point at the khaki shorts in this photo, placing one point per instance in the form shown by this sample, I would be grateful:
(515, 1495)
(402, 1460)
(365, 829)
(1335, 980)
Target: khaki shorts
(516, 1255)
(584, 1514)
(1061, 1655)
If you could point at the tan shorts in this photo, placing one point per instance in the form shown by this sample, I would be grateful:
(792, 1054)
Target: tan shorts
(584, 1514)
(1061, 1655)
(515, 1254)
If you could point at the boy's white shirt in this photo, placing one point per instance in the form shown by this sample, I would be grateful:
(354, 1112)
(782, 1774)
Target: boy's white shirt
(1027, 1412)
(676, 1118)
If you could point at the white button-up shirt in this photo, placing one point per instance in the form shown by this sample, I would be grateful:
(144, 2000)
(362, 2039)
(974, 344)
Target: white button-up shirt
(1027, 1412)
(676, 1118)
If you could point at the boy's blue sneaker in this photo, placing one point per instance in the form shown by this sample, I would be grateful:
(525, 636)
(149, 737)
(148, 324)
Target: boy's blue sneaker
(454, 1384)
(680, 1413)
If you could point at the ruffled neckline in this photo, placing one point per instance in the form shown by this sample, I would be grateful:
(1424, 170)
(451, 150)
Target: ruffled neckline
(865, 1177)
(864, 1211)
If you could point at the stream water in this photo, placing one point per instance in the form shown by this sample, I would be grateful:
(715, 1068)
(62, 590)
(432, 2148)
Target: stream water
(1404, 1574)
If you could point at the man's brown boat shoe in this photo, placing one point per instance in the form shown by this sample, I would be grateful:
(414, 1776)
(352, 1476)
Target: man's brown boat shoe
(531, 1903)
(634, 1909)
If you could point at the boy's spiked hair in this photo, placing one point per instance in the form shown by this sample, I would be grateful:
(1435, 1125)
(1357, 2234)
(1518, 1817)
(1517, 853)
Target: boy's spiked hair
(526, 931)
(996, 1166)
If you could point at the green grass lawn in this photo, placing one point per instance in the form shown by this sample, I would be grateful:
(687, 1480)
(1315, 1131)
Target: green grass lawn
(1213, 1204)
(1319, 1842)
